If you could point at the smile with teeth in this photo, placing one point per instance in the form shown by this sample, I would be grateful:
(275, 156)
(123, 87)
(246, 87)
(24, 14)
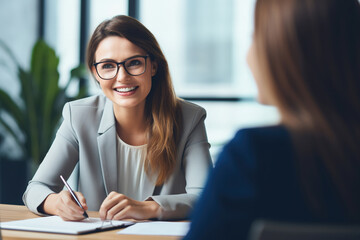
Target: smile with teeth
(126, 89)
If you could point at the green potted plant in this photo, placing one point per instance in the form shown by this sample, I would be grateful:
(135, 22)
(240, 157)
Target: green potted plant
(33, 120)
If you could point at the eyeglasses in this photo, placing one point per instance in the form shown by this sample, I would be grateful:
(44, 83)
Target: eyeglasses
(134, 66)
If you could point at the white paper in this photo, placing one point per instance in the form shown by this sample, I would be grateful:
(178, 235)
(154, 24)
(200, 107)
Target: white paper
(55, 224)
(160, 228)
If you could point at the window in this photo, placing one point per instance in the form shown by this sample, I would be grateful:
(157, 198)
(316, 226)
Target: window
(101, 10)
(62, 27)
(205, 42)
(19, 33)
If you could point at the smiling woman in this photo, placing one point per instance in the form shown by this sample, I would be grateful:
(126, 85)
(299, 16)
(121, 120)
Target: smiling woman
(142, 152)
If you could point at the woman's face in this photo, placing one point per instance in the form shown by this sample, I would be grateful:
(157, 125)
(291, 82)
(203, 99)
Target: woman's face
(124, 90)
(258, 74)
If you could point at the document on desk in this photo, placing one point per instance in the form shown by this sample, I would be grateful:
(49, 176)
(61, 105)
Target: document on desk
(55, 224)
(159, 228)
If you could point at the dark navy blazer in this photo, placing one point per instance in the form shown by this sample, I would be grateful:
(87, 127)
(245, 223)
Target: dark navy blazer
(254, 178)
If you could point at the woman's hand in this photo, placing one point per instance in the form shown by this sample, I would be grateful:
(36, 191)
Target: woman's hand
(64, 205)
(118, 206)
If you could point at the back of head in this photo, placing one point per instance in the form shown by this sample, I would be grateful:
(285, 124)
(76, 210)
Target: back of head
(310, 52)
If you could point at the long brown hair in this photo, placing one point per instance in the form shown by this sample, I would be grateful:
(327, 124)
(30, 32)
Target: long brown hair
(162, 107)
(310, 52)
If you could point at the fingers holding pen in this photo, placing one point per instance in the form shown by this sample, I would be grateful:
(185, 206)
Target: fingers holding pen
(67, 208)
(82, 200)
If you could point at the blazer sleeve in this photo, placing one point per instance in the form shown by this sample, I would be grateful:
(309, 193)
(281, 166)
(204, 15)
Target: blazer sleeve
(59, 160)
(195, 164)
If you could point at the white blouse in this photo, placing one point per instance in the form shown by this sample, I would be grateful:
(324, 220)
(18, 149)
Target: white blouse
(132, 178)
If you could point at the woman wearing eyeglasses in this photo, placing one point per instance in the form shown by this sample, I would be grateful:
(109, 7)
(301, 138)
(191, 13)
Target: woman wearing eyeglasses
(142, 152)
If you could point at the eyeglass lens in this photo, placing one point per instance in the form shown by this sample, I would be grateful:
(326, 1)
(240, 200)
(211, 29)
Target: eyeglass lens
(134, 66)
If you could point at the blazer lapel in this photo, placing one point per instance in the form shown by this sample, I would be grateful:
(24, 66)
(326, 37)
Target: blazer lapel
(107, 148)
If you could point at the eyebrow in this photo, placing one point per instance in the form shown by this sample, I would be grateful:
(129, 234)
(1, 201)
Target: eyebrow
(112, 60)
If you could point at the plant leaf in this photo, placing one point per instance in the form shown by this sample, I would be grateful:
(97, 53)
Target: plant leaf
(39, 113)
(28, 94)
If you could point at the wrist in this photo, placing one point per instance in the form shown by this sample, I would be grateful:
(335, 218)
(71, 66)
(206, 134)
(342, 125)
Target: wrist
(48, 204)
(154, 209)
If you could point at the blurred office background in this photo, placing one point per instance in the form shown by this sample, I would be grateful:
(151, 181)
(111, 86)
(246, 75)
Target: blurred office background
(205, 42)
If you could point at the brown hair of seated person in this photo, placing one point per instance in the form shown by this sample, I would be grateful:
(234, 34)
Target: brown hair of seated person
(311, 52)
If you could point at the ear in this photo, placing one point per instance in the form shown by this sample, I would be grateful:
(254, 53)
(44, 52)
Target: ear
(154, 66)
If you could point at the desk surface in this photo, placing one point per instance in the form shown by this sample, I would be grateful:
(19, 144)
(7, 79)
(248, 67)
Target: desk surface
(17, 212)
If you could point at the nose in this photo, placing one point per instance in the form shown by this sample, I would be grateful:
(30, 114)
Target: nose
(122, 75)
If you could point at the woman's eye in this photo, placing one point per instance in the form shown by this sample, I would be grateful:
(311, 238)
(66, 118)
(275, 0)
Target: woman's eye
(134, 62)
(108, 66)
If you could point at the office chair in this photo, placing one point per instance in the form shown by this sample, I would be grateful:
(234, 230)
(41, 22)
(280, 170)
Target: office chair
(268, 230)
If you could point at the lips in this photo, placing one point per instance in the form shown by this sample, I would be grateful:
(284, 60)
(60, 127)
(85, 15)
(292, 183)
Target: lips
(125, 89)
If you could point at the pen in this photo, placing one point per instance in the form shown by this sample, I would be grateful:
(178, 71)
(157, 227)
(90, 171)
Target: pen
(74, 196)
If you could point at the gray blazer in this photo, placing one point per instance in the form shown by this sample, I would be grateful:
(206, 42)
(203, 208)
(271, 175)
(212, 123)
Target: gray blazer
(87, 137)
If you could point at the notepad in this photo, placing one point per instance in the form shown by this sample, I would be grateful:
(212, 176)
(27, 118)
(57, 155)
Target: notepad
(55, 224)
(158, 228)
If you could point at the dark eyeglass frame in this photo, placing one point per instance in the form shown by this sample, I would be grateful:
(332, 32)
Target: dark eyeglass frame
(118, 66)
